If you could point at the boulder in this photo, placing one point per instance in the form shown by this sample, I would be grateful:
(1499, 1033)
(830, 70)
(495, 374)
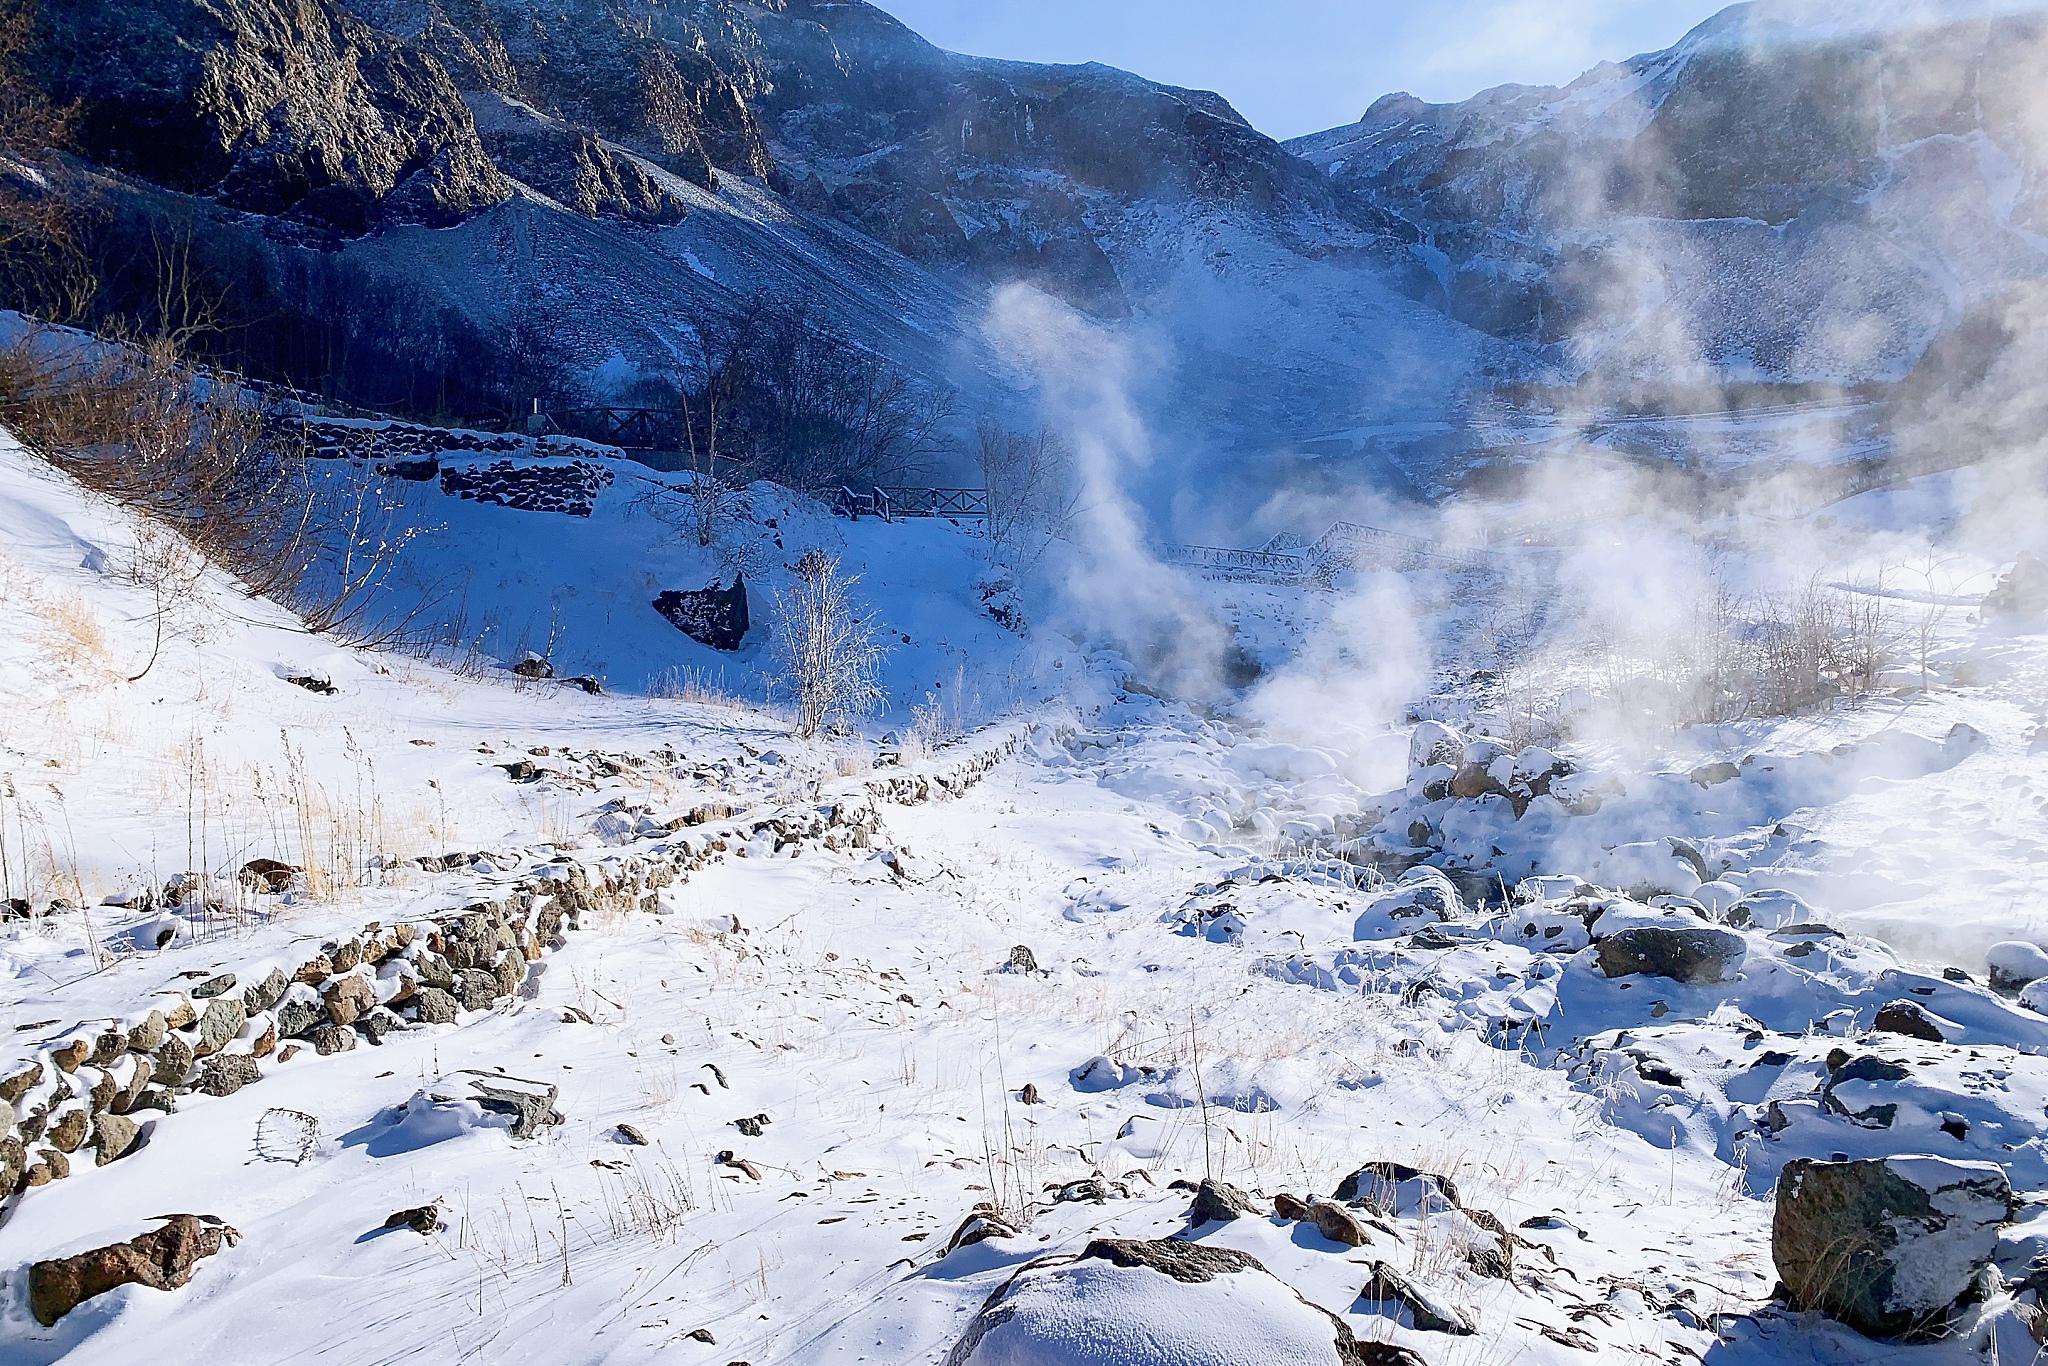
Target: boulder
(1432, 743)
(476, 989)
(173, 1059)
(2014, 964)
(332, 1038)
(266, 993)
(1337, 1223)
(162, 1259)
(375, 1024)
(1398, 1189)
(2022, 593)
(1219, 1202)
(213, 986)
(147, 1034)
(300, 1011)
(1908, 1018)
(19, 1079)
(1695, 956)
(218, 1025)
(113, 1136)
(529, 1104)
(1891, 1246)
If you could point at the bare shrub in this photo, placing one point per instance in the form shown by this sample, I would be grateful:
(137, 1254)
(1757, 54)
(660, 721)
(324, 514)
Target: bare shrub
(219, 480)
(42, 268)
(829, 650)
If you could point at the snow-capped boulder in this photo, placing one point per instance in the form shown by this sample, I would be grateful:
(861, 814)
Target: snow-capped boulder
(1891, 1246)
(1432, 743)
(1647, 869)
(1693, 953)
(2022, 592)
(1422, 896)
(1770, 908)
(1127, 1302)
(2014, 964)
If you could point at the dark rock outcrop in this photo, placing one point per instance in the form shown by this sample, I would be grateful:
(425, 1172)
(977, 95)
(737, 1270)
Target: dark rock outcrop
(292, 109)
(716, 616)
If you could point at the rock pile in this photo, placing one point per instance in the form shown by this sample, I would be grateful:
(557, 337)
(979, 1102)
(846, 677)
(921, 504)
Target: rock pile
(569, 487)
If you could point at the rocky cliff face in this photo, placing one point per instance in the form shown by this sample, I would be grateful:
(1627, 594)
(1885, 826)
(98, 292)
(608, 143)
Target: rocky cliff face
(669, 157)
(1795, 190)
(290, 109)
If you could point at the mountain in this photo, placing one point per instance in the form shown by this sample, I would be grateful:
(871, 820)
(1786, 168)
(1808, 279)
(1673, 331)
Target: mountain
(1795, 191)
(450, 207)
(405, 200)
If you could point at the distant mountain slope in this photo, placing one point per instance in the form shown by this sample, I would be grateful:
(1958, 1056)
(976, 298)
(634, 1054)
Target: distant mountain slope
(455, 206)
(1796, 190)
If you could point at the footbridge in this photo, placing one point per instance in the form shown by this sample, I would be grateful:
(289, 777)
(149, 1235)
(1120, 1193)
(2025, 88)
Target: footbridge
(1288, 560)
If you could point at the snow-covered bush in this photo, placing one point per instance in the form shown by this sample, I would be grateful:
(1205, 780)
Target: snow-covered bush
(830, 652)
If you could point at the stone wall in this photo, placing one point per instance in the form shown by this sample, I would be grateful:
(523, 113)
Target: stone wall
(94, 1096)
(565, 486)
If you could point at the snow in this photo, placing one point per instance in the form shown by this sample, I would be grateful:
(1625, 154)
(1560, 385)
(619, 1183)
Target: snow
(1225, 986)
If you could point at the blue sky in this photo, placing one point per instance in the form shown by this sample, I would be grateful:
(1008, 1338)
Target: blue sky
(1296, 66)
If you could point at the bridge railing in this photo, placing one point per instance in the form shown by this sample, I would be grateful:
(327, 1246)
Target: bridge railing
(893, 501)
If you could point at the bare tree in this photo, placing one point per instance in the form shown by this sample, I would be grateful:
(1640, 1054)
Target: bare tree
(1028, 482)
(830, 651)
(801, 403)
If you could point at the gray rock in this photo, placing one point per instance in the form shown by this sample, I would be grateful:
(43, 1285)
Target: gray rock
(1693, 956)
(1890, 1246)
(375, 1024)
(173, 1059)
(266, 993)
(476, 989)
(226, 1074)
(300, 1011)
(1219, 1202)
(529, 1104)
(212, 987)
(431, 1005)
(332, 1038)
(220, 1022)
(1395, 1188)
(147, 1034)
(113, 1136)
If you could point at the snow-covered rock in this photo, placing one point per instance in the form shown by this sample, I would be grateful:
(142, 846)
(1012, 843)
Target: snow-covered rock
(1890, 1246)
